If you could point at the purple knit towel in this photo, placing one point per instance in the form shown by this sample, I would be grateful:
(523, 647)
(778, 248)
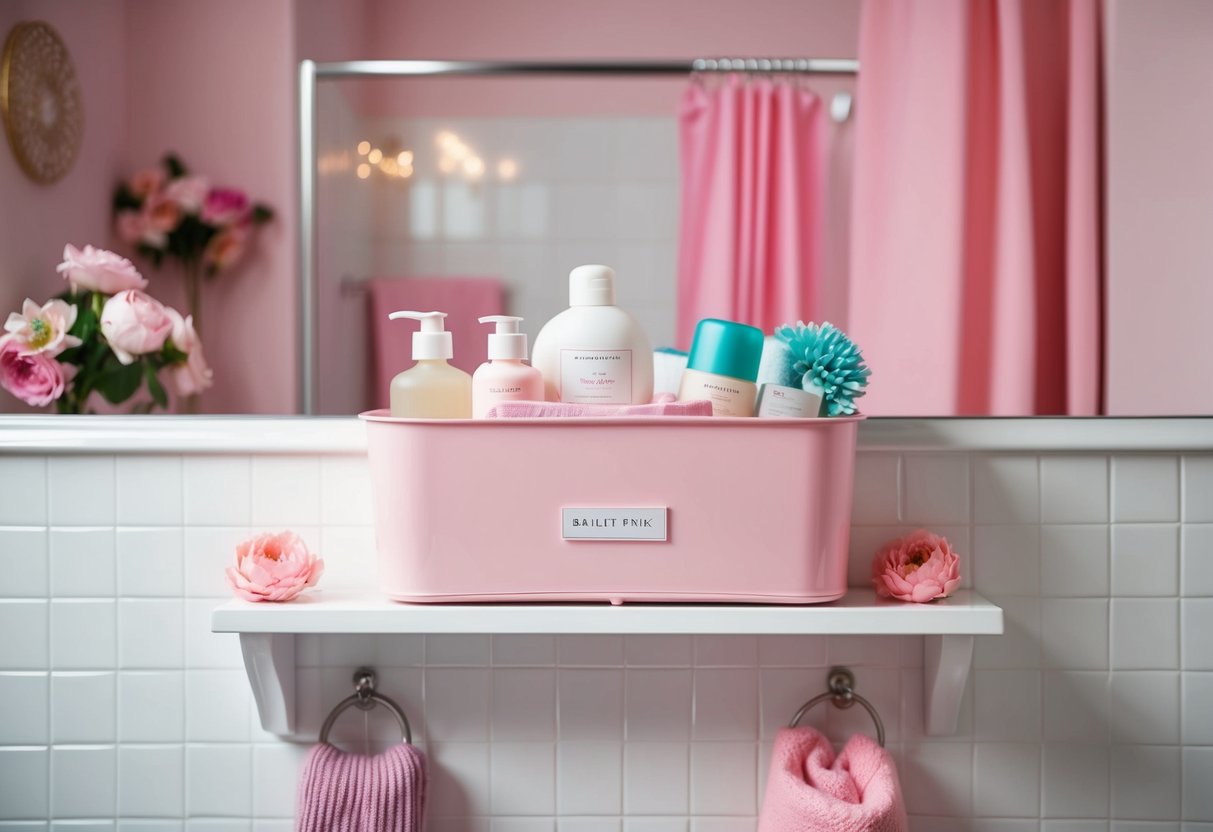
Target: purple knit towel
(342, 792)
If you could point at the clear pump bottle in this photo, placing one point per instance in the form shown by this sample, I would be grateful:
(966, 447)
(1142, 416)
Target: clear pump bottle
(431, 388)
(504, 377)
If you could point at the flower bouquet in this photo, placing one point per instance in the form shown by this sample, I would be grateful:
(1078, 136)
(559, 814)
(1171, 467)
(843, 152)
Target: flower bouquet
(103, 335)
(166, 211)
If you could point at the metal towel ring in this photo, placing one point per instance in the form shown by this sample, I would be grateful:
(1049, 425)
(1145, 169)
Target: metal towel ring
(842, 692)
(364, 698)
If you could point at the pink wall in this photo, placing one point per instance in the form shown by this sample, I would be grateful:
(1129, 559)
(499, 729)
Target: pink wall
(36, 220)
(587, 29)
(215, 82)
(1160, 208)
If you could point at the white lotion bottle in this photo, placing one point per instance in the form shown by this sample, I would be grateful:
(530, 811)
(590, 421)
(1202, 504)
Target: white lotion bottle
(594, 352)
(504, 377)
(431, 388)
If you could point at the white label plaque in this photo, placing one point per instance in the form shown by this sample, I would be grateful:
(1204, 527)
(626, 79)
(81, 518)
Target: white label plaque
(614, 523)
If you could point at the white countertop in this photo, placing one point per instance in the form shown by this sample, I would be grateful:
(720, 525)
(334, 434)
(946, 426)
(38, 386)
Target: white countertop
(346, 435)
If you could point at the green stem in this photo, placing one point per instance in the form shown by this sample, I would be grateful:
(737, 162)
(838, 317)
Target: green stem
(193, 289)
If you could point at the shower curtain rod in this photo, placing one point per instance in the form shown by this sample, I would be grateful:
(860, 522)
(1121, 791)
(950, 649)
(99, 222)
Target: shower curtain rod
(310, 72)
(404, 69)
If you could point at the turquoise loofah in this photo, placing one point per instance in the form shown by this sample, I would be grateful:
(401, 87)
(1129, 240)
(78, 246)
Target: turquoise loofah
(778, 364)
(826, 360)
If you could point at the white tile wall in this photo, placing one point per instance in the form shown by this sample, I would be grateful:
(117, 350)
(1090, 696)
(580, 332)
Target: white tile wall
(587, 190)
(120, 710)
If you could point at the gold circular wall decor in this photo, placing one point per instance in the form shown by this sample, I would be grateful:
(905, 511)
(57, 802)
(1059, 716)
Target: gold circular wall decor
(40, 101)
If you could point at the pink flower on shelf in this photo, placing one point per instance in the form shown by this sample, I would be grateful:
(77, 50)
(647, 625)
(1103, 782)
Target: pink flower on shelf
(188, 192)
(146, 182)
(134, 324)
(36, 379)
(160, 215)
(43, 329)
(918, 567)
(225, 206)
(192, 375)
(225, 248)
(98, 270)
(273, 567)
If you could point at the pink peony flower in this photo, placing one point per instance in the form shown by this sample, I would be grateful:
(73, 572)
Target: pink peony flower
(918, 567)
(225, 206)
(134, 324)
(225, 248)
(36, 379)
(98, 270)
(188, 192)
(273, 567)
(161, 215)
(192, 375)
(146, 182)
(43, 329)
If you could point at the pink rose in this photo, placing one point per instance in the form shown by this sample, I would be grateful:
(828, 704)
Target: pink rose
(36, 379)
(161, 215)
(188, 192)
(273, 567)
(134, 324)
(918, 567)
(191, 375)
(225, 248)
(225, 206)
(146, 182)
(98, 270)
(43, 328)
(136, 227)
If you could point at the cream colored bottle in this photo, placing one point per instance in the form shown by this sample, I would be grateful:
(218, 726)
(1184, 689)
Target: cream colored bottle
(431, 388)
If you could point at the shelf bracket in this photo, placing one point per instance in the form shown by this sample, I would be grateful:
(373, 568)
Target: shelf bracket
(946, 663)
(269, 660)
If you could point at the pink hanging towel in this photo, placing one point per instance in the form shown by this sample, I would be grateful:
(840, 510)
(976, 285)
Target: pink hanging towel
(343, 792)
(808, 788)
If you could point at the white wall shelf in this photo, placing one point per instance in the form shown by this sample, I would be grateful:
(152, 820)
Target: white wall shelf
(267, 633)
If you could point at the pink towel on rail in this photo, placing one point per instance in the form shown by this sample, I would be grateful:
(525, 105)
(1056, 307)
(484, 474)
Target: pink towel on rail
(463, 299)
(808, 788)
(343, 792)
(565, 410)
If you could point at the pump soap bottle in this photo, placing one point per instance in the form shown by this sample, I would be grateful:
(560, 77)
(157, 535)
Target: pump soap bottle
(431, 388)
(594, 352)
(504, 377)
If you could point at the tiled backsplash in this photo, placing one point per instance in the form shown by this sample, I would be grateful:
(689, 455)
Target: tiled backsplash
(119, 709)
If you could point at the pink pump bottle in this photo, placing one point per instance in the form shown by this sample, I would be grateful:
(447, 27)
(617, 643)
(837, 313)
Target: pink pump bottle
(504, 377)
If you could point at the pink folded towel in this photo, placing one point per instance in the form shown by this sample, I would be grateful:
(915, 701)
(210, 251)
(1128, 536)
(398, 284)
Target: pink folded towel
(563, 410)
(342, 792)
(808, 788)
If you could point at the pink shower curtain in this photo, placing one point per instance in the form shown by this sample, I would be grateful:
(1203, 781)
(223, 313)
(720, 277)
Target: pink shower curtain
(752, 179)
(975, 283)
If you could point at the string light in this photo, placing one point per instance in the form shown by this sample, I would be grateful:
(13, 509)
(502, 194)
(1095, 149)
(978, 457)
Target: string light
(404, 157)
(364, 170)
(375, 156)
(364, 147)
(473, 167)
(507, 169)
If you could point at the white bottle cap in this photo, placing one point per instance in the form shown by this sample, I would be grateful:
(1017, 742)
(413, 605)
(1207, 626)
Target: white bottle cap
(432, 341)
(592, 286)
(507, 342)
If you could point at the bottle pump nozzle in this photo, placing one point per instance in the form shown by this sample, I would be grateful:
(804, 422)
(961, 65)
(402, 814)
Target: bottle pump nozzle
(507, 342)
(432, 341)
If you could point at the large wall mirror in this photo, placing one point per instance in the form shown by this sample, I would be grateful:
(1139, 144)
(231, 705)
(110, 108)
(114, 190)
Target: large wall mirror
(994, 226)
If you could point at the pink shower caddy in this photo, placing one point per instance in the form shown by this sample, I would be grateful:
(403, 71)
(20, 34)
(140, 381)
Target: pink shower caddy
(756, 510)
